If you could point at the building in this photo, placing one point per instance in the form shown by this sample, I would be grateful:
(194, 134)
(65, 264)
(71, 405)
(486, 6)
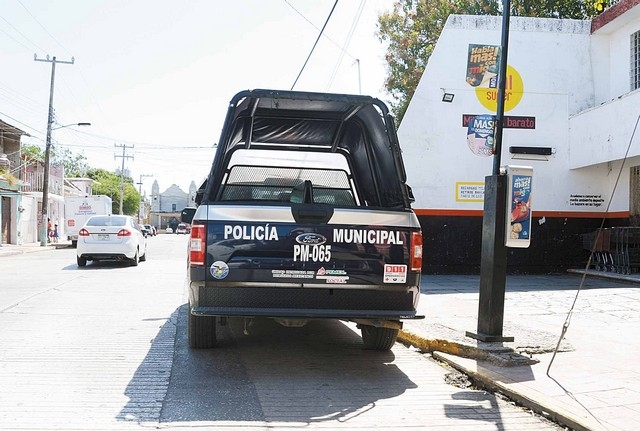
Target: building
(166, 206)
(10, 197)
(571, 93)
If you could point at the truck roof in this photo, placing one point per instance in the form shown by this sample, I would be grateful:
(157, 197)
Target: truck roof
(359, 127)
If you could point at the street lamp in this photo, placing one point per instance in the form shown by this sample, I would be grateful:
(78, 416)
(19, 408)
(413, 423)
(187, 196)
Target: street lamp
(45, 181)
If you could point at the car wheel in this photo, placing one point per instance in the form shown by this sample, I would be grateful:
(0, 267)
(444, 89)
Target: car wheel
(143, 258)
(376, 338)
(135, 260)
(81, 261)
(74, 243)
(202, 331)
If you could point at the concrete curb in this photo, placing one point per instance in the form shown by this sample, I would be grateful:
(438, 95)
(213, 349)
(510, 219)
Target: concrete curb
(502, 356)
(464, 358)
(552, 408)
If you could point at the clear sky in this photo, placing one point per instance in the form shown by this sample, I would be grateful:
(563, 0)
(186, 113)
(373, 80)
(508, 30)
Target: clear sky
(157, 75)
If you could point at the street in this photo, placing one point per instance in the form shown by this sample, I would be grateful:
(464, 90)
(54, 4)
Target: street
(104, 347)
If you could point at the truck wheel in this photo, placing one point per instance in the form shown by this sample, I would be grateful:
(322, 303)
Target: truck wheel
(376, 338)
(202, 331)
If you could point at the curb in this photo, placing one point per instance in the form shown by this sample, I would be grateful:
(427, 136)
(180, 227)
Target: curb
(553, 409)
(462, 357)
(502, 356)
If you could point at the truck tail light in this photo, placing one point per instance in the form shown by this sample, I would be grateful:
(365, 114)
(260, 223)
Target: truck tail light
(416, 251)
(83, 232)
(124, 232)
(197, 245)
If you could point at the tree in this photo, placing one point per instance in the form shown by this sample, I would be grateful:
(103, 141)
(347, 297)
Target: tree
(411, 31)
(75, 165)
(108, 184)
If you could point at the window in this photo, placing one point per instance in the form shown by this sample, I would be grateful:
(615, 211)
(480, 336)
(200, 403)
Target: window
(174, 207)
(635, 60)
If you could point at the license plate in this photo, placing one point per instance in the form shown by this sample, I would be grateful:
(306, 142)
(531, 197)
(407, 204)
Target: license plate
(103, 237)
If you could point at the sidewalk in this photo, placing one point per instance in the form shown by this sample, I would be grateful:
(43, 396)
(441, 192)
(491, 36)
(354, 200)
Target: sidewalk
(12, 249)
(593, 381)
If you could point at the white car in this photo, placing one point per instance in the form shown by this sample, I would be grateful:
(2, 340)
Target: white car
(111, 237)
(169, 230)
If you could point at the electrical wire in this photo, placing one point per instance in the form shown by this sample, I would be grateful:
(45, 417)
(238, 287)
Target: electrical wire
(44, 28)
(354, 24)
(567, 322)
(314, 45)
(341, 48)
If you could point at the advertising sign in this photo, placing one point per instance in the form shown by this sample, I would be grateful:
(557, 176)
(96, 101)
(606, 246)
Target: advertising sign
(482, 65)
(518, 217)
(480, 134)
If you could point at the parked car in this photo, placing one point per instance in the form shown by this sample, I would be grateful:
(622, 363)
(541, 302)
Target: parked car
(182, 228)
(111, 237)
(151, 229)
(146, 232)
(168, 230)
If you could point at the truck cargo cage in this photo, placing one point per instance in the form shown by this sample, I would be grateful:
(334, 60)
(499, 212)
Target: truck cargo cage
(614, 249)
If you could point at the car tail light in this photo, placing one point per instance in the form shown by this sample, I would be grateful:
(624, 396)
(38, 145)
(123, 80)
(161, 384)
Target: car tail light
(416, 251)
(197, 245)
(83, 232)
(124, 232)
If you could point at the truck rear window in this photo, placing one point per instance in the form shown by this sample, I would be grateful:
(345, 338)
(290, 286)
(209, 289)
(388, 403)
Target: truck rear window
(288, 184)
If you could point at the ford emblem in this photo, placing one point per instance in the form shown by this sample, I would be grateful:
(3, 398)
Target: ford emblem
(311, 239)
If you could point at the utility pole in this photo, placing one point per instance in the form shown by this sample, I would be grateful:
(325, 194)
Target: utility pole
(493, 261)
(140, 193)
(124, 156)
(47, 152)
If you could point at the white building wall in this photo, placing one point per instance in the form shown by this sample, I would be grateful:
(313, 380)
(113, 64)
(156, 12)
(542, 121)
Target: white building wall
(561, 79)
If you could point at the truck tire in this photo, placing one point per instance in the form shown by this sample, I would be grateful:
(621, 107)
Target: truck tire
(202, 331)
(376, 338)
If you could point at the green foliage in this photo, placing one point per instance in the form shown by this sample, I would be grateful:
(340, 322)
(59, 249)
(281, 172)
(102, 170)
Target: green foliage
(75, 165)
(411, 31)
(108, 184)
(32, 151)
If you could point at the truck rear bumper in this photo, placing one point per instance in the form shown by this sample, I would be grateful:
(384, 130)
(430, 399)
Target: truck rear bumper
(304, 303)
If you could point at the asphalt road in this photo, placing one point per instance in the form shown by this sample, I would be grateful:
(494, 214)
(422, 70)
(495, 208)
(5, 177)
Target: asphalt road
(104, 347)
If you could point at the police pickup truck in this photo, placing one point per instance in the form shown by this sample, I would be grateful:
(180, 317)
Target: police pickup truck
(305, 214)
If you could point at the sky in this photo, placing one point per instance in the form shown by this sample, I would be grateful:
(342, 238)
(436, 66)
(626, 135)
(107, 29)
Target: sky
(156, 76)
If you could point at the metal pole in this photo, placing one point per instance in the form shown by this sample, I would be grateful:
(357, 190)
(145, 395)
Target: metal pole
(493, 263)
(502, 79)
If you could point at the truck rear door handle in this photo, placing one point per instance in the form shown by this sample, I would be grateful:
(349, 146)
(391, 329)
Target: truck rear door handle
(305, 215)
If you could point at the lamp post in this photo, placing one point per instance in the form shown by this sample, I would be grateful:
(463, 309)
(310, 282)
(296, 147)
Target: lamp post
(45, 181)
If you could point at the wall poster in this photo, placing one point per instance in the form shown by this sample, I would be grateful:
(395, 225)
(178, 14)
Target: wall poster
(518, 217)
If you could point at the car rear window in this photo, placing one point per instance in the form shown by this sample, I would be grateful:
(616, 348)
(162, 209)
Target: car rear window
(107, 221)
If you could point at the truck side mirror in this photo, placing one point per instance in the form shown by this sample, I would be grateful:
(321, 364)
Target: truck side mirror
(187, 214)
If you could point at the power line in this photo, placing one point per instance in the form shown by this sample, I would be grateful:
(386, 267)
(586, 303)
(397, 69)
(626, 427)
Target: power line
(314, 45)
(43, 27)
(343, 49)
(347, 41)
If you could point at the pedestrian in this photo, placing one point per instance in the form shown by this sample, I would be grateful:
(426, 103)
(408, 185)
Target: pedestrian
(55, 232)
(49, 233)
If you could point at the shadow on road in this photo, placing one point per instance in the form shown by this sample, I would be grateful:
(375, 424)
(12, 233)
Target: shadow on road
(316, 373)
